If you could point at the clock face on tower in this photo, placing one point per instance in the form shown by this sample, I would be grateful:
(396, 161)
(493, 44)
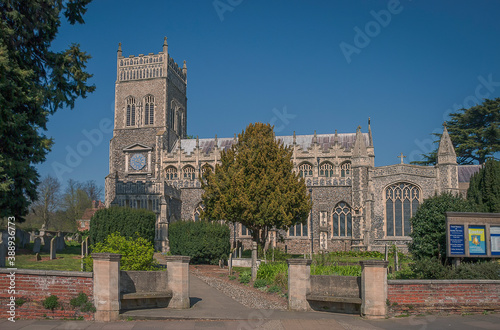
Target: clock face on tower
(138, 161)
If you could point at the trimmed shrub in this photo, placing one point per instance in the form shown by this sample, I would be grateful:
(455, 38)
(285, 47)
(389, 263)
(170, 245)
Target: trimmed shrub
(128, 222)
(137, 254)
(205, 242)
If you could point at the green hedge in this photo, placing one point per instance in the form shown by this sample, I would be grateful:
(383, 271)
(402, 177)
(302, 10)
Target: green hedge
(205, 242)
(128, 222)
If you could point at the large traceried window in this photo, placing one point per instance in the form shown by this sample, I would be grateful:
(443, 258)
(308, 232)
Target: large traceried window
(149, 110)
(342, 220)
(401, 203)
(130, 111)
(171, 173)
(345, 169)
(299, 229)
(326, 169)
(188, 173)
(305, 170)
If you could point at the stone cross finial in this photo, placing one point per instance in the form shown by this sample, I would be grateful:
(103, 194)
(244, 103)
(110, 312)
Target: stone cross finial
(402, 160)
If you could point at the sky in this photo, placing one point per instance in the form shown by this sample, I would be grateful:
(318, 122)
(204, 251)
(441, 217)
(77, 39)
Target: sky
(303, 66)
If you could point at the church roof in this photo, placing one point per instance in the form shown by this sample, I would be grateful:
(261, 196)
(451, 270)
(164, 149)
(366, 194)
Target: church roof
(346, 141)
(465, 172)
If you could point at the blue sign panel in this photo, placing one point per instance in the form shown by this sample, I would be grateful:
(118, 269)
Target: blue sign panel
(457, 240)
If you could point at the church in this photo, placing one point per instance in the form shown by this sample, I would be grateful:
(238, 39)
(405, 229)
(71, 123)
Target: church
(153, 165)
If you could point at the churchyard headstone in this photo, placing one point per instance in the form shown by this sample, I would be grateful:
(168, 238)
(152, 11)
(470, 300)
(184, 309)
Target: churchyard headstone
(37, 243)
(60, 245)
(53, 248)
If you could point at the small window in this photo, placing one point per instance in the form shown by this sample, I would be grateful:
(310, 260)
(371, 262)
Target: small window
(299, 230)
(171, 173)
(326, 170)
(245, 231)
(305, 170)
(345, 169)
(188, 173)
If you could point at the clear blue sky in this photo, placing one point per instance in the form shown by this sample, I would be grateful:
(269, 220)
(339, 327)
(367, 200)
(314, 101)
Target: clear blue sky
(248, 60)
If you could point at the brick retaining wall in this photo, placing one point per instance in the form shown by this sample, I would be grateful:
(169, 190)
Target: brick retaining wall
(36, 285)
(449, 296)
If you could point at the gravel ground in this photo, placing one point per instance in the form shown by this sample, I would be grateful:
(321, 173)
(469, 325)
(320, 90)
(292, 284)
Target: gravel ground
(244, 295)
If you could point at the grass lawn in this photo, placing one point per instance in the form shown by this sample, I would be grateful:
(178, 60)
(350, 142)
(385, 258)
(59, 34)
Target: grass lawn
(68, 259)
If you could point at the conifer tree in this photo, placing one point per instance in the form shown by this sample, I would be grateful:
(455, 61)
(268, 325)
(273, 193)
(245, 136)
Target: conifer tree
(255, 185)
(475, 133)
(484, 188)
(35, 82)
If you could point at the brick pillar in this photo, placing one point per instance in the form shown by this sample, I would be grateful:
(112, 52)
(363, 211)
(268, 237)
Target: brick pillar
(374, 288)
(178, 280)
(106, 286)
(299, 284)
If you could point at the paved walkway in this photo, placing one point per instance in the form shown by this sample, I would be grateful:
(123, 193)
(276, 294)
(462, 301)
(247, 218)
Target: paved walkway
(212, 309)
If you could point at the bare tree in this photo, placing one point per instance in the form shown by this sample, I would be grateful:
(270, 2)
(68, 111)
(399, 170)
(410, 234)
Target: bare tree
(75, 200)
(48, 193)
(93, 190)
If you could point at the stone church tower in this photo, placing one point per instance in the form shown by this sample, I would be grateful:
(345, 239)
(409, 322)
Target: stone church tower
(150, 116)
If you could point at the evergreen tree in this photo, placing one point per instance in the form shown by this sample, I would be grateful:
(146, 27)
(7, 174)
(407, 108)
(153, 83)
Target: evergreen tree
(484, 189)
(255, 185)
(34, 83)
(475, 133)
(429, 224)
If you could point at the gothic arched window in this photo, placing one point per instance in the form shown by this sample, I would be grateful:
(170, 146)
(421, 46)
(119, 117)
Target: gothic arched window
(149, 114)
(401, 203)
(305, 169)
(326, 169)
(171, 173)
(345, 169)
(342, 220)
(130, 111)
(188, 173)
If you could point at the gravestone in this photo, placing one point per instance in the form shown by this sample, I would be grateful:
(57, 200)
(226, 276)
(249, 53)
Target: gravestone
(37, 244)
(37, 256)
(53, 248)
(32, 236)
(84, 248)
(60, 245)
(3, 252)
(46, 242)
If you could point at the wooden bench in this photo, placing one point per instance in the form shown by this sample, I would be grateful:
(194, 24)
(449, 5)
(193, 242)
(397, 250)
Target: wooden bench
(325, 298)
(136, 300)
